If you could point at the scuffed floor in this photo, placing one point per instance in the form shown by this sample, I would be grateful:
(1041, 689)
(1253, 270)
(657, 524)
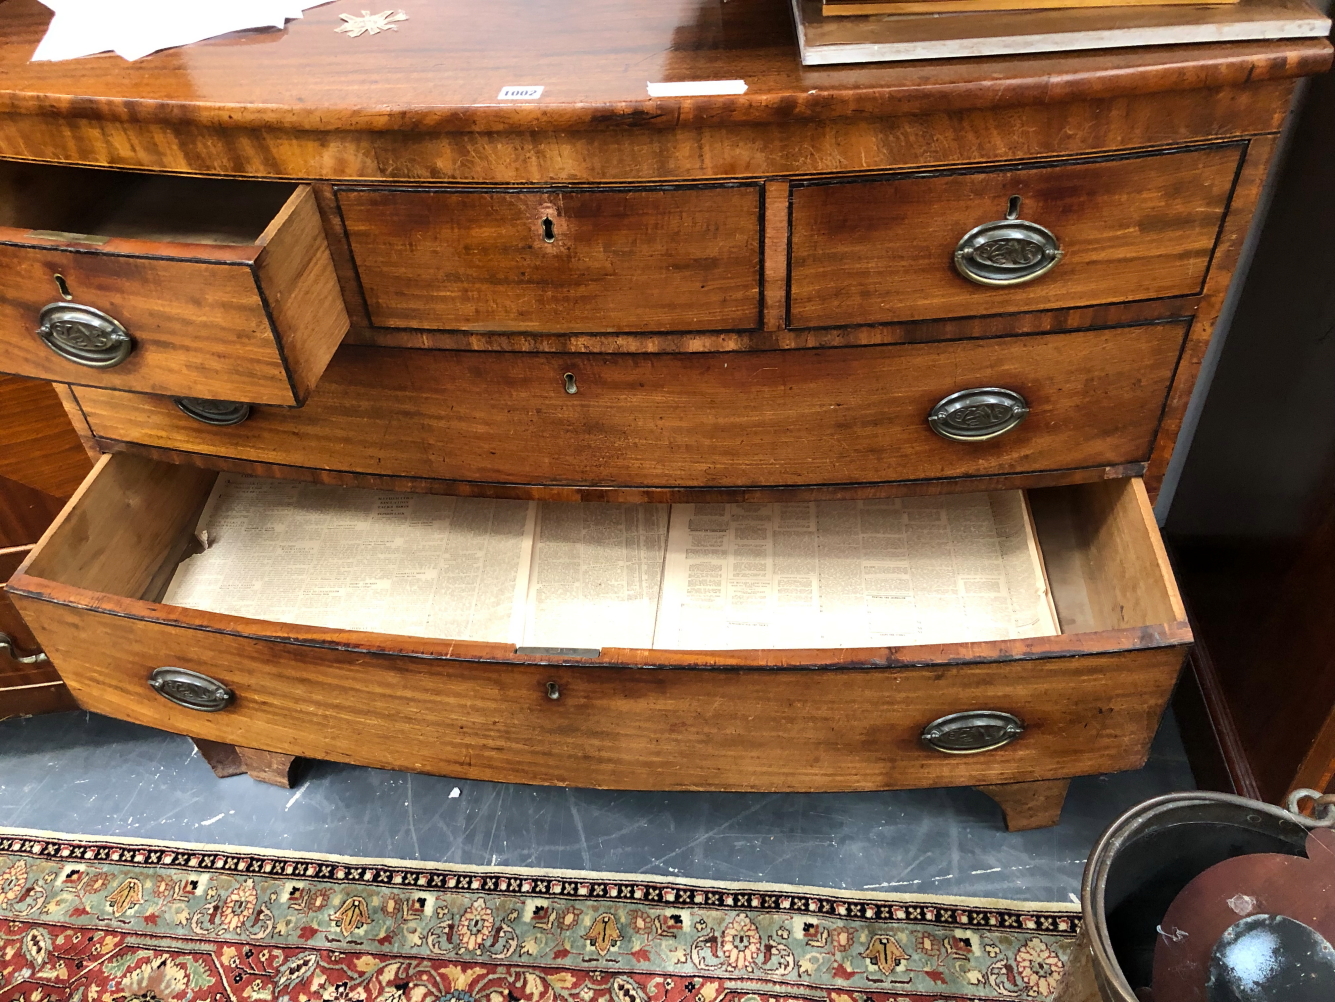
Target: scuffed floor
(78, 772)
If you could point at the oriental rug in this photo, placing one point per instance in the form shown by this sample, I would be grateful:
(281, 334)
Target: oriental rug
(86, 919)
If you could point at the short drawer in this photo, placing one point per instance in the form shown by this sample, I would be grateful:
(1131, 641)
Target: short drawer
(182, 286)
(1087, 700)
(560, 260)
(1033, 238)
(810, 417)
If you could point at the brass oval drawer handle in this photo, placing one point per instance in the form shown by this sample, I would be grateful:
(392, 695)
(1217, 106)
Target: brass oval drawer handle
(972, 732)
(977, 415)
(1007, 251)
(7, 646)
(84, 335)
(215, 412)
(190, 689)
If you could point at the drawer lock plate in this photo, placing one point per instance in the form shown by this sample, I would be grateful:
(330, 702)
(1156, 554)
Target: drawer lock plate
(972, 732)
(190, 689)
(84, 335)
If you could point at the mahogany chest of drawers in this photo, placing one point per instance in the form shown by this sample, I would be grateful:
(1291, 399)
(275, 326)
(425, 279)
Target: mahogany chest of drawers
(347, 260)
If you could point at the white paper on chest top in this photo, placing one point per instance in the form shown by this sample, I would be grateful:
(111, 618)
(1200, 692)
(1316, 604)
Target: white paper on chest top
(885, 572)
(135, 28)
(414, 564)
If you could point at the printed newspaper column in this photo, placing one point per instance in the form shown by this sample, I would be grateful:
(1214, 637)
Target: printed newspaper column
(419, 565)
(596, 574)
(871, 573)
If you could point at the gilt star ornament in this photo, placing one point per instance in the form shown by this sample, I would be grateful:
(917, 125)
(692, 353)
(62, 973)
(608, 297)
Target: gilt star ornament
(370, 24)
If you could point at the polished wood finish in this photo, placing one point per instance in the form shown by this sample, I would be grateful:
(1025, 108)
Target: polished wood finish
(846, 417)
(416, 225)
(309, 103)
(42, 463)
(882, 251)
(38, 448)
(211, 315)
(558, 260)
(1029, 805)
(25, 689)
(1246, 192)
(1090, 697)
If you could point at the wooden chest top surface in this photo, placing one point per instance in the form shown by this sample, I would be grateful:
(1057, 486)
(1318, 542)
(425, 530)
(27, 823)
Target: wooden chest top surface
(443, 67)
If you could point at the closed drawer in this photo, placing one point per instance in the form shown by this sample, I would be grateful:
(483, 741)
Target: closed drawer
(663, 259)
(181, 286)
(1089, 699)
(702, 420)
(871, 251)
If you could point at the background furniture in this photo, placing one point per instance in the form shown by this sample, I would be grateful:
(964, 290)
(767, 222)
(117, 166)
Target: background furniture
(1253, 519)
(375, 273)
(41, 465)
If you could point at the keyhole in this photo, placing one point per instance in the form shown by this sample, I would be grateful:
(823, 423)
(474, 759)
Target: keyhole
(1013, 209)
(570, 383)
(549, 234)
(553, 691)
(64, 289)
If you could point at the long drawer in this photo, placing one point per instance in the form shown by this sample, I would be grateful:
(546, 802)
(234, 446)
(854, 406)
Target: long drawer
(1088, 700)
(730, 419)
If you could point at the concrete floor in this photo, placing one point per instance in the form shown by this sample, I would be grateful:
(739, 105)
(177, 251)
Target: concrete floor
(82, 773)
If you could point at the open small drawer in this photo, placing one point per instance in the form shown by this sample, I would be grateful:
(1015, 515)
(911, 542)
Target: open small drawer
(186, 287)
(1085, 701)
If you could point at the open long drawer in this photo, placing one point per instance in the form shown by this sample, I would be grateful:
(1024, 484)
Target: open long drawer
(1085, 701)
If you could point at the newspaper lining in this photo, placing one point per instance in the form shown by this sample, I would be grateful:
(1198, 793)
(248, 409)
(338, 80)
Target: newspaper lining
(878, 573)
(885, 572)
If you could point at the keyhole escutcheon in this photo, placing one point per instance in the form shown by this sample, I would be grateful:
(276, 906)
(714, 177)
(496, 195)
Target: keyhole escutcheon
(548, 230)
(569, 378)
(63, 286)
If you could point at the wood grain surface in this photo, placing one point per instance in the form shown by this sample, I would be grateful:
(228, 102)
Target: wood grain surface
(1247, 191)
(38, 446)
(215, 318)
(413, 104)
(840, 416)
(32, 688)
(1090, 700)
(883, 250)
(558, 260)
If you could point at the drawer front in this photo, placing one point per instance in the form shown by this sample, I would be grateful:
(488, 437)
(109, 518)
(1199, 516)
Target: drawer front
(1087, 700)
(250, 323)
(558, 261)
(804, 417)
(1128, 229)
(616, 728)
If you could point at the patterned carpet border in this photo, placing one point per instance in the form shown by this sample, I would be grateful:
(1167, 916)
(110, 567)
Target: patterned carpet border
(181, 922)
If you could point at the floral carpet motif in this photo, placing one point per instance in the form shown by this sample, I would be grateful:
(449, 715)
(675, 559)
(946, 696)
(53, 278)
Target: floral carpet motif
(87, 919)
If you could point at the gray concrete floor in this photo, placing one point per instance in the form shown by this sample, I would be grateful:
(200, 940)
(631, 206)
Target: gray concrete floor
(86, 774)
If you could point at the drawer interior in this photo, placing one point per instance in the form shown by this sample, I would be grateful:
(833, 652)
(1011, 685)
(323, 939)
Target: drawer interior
(132, 523)
(107, 204)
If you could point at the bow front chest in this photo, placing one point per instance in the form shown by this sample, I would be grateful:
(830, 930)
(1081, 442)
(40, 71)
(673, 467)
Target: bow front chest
(352, 261)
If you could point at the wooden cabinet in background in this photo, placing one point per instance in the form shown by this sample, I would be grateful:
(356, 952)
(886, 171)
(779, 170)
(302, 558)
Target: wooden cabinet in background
(42, 464)
(1253, 519)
